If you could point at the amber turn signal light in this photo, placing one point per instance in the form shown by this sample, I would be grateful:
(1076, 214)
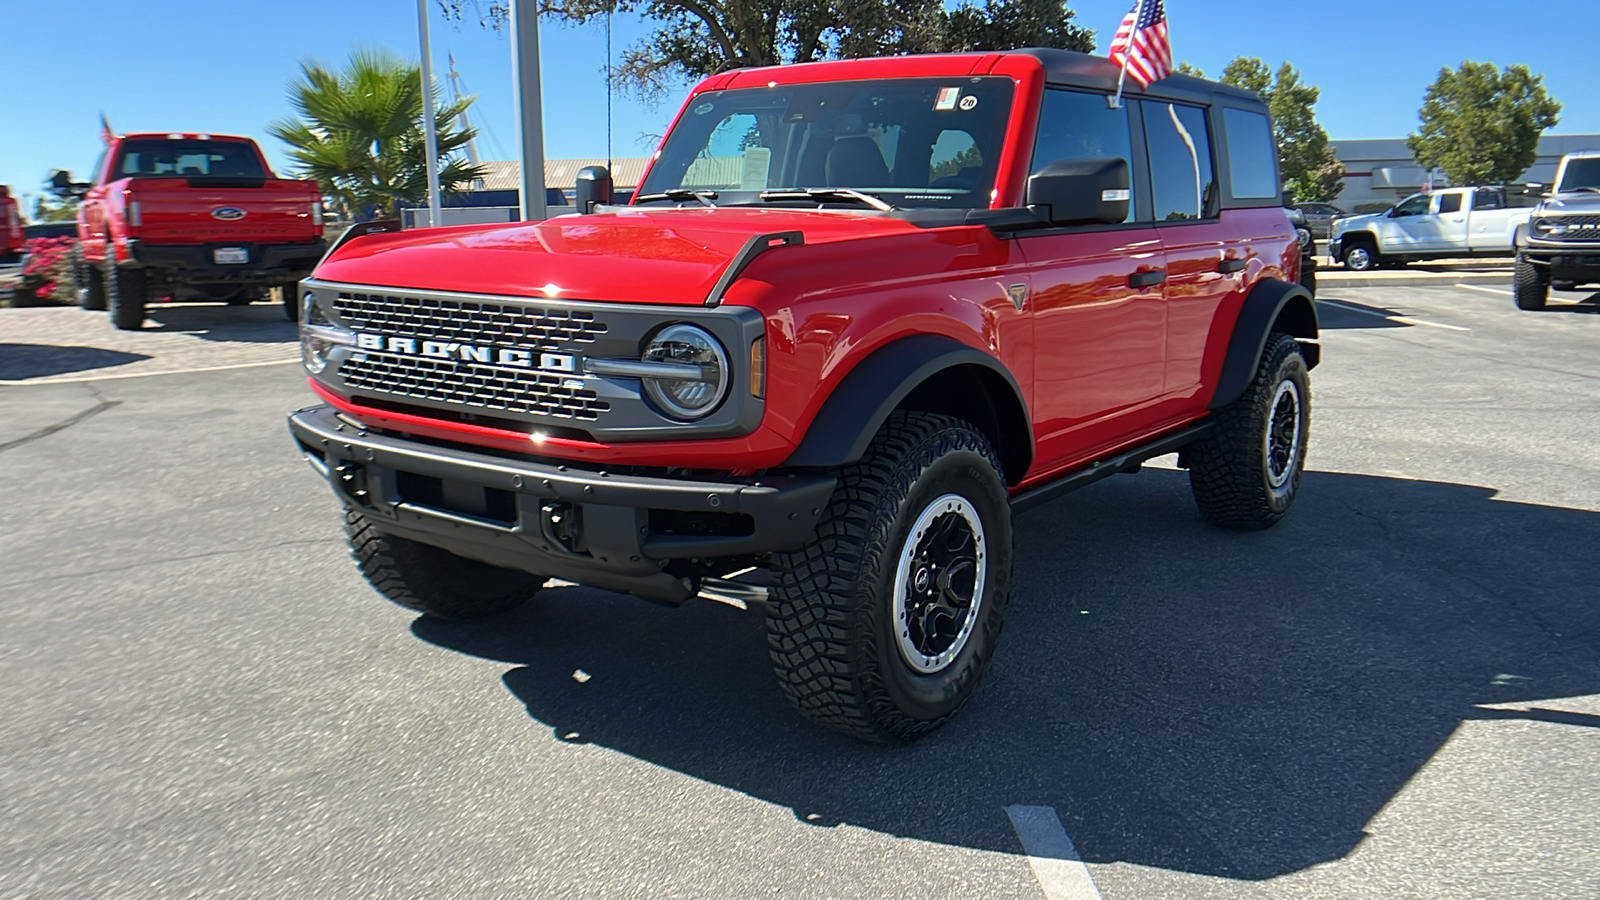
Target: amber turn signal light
(758, 368)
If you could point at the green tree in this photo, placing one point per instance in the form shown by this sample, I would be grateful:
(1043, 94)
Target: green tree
(1481, 124)
(50, 208)
(696, 38)
(1307, 161)
(360, 133)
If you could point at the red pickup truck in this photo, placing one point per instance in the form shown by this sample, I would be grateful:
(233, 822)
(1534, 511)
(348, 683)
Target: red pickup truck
(192, 216)
(11, 238)
(857, 315)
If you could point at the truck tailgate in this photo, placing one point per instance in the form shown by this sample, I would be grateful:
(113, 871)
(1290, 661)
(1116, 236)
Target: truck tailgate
(211, 211)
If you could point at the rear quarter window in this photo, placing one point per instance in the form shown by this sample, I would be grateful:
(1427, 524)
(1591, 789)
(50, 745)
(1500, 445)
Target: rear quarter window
(1252, 155)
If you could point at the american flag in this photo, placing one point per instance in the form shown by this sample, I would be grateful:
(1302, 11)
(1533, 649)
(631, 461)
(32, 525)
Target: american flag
(1141, 45)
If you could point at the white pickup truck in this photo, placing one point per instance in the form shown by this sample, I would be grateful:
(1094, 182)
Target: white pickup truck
(1443, 224)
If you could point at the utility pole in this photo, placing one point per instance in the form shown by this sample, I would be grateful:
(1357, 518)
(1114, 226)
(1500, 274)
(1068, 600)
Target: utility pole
(530, 112)
(429, 127)
(454, 78)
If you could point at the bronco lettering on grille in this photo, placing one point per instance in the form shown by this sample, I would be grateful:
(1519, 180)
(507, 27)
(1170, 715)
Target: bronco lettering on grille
(472, 353)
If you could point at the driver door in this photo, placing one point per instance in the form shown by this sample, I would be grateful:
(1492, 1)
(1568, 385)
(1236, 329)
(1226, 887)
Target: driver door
(1415, 225)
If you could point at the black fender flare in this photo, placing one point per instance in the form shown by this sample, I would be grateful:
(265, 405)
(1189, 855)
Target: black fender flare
(868, 393)
(1269, 303)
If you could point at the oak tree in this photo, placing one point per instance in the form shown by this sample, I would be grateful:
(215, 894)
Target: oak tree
(1482, 124)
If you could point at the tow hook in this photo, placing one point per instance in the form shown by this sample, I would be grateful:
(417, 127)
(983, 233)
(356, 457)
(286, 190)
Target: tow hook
(352, 480)
(562, 525)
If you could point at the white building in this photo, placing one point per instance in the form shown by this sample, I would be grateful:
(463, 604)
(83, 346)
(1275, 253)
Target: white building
(1378, 173)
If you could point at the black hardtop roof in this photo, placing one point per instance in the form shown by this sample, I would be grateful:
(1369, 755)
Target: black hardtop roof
(1069, 68)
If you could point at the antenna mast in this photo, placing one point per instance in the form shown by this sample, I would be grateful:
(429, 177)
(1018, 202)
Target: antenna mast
(454, 78)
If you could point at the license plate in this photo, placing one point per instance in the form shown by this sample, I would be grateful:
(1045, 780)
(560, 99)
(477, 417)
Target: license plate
(230, 255)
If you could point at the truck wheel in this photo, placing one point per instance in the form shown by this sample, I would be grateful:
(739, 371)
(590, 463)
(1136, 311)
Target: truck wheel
(91, 289)
(291, 303)
(1245, 470)
(1530, 285)
(432, 581)
(881, 625)
(1360, 258)
(125, 296)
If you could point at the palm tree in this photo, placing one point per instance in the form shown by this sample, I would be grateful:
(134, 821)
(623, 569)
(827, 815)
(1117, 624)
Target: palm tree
(360, 135)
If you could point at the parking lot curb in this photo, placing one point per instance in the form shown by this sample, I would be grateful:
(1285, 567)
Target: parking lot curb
(1332, 279)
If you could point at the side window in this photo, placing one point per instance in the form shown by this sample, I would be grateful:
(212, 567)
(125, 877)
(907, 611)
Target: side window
(1416, 205)
(1081, 126)
(1181, 178)
(1449, 203)
(1252, 155)
(1484, 199)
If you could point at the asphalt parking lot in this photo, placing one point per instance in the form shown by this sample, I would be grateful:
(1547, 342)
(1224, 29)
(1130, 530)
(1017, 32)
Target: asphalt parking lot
(1395, 693)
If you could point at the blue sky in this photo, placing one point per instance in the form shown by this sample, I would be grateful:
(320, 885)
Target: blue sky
(222, 65)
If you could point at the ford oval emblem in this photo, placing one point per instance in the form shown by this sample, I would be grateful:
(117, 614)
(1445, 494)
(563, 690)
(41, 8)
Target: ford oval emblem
(227, 213)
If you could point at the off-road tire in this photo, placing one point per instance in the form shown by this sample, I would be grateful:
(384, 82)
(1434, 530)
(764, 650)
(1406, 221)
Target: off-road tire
(1530, 285)
(1364, 261)
(1231, 472)
(291, 302)
(90, 287)
(831, 625)
(125, 296)
(432, 581)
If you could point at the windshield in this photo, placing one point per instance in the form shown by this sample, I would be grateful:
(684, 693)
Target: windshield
(907, 142)
(1580, 174)
(187, 159)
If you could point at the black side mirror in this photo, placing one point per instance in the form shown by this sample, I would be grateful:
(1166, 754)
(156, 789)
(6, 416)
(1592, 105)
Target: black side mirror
(1082, 191)
(594, 188)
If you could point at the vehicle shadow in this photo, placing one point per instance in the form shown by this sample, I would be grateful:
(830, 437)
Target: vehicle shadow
(1574, 303)
(261, 322)
(1230, 704)
(22, 361)
(1333, 313)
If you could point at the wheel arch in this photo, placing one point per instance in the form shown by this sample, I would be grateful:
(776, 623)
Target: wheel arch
(929, 373)
(1271, 306)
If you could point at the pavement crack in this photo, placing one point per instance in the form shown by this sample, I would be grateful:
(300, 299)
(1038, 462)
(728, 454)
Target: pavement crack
(101, 405)
(161, 561)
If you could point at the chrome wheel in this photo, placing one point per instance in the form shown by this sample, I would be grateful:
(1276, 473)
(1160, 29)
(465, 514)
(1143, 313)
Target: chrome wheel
(1358, 258)
(1281, 442)
(939, 584)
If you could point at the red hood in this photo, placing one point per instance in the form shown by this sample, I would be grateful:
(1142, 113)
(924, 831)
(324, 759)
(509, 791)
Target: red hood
(671, 256)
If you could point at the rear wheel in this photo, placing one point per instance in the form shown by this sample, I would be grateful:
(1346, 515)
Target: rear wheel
(432, 581)
(90, 287)
(1245, 470)
(125, 295)
(881, 626)
(1530, 285)
(291, 302)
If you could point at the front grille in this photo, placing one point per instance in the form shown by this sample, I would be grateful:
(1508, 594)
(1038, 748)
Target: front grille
(519, 391)
(1574, 228)
(467, 321)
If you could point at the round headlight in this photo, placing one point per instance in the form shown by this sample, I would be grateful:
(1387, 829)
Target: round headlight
(689, 398)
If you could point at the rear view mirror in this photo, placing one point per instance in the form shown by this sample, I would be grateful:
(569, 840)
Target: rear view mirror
(593, 188)
(1082, 191)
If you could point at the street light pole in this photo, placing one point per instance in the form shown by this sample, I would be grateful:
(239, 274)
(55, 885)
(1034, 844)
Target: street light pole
(429, 127)
(530, 113)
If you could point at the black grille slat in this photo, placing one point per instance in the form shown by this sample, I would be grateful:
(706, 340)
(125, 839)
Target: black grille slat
(467, 321)
(521, 392)
(1584, 228)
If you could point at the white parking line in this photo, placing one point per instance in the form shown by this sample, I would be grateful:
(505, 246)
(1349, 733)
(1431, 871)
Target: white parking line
(1403, 320)
(1054, 859)
(1486, 290)
(81, 379)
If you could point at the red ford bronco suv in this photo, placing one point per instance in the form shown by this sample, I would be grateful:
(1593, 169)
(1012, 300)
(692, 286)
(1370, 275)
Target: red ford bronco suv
(191, 216)
(856, 316)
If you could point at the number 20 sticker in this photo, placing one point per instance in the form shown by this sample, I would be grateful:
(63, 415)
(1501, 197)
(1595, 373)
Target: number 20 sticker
(968, 102)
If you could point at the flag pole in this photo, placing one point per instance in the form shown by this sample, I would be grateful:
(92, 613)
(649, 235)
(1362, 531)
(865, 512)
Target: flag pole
(1116, 102)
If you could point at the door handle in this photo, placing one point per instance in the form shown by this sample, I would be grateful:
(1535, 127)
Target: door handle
(1147, 278)
(1231, 265)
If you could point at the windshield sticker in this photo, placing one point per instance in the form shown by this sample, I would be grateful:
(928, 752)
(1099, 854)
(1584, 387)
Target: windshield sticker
(704, 108)
(753, 176)
(947, 99)
(970, 101)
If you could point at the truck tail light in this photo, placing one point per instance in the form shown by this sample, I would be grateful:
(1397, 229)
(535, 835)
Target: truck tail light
(316, 213)
(758, 368)
(135, 215)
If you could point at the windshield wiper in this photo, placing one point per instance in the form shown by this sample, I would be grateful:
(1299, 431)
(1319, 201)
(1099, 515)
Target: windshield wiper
(1583, 187)
(680, 195)
(822, 194)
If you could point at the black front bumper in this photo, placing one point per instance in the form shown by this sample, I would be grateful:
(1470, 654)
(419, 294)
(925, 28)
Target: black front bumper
(266, 264)
(608, 530)
(1575, 264)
